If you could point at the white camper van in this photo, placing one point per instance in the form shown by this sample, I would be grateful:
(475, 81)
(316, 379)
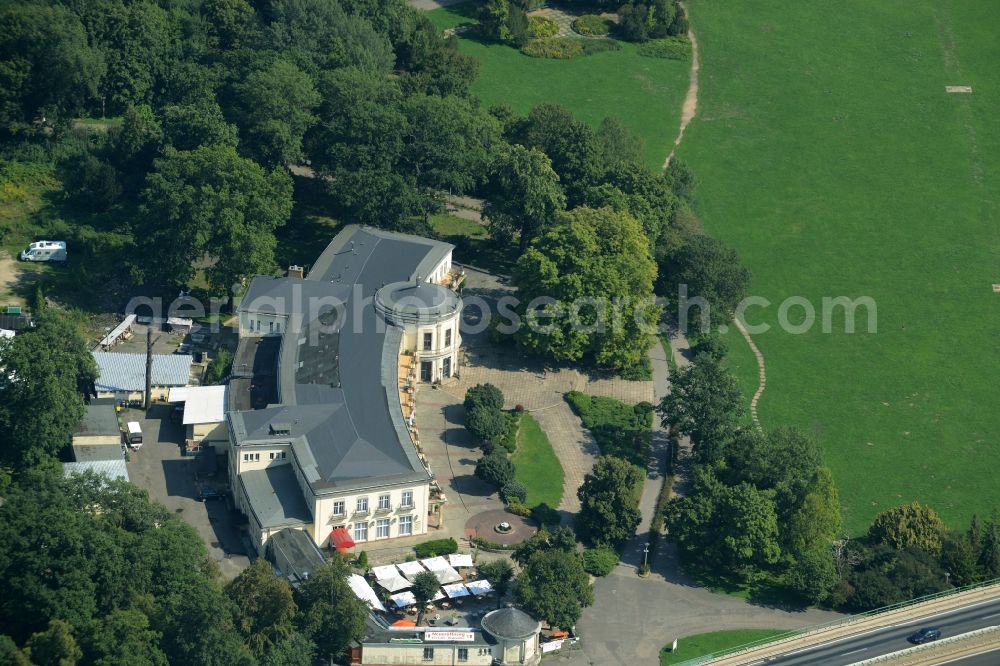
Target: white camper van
(134, 434)
(45, 251)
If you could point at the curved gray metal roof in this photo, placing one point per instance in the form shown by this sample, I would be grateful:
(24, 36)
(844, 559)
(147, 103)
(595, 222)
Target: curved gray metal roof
(337, 375)
(510, 623)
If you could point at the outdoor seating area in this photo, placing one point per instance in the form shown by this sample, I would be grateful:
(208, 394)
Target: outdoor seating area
(462, 599)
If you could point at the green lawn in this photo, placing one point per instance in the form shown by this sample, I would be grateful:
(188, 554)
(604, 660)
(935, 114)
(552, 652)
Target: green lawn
(536, 465)
(645, 93)
(828, 153)
(703, 644)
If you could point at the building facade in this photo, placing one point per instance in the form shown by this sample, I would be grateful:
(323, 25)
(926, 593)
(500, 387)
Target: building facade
(321, 425)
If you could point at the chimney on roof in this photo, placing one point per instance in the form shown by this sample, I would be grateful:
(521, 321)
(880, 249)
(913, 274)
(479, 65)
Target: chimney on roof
(295, 272)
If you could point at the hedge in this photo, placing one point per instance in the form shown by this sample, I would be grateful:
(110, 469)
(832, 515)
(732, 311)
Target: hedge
(436, 547)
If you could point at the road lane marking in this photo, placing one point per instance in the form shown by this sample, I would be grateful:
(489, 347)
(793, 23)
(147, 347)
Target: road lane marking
(844, 654)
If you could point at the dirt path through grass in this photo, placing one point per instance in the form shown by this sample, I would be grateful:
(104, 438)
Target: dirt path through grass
(688, 112)
(690, 107)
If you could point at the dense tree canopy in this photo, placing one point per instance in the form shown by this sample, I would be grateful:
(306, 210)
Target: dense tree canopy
(554, 587)
(48, 372)
(128, 577)
(210, 201)
(609, 502)
(593, 274)
(525, 195)
(331, 615)
(47, 68)
(704, 402)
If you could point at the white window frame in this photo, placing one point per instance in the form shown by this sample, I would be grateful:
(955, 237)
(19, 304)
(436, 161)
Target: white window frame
(404, 502)
(405, 525)
(361, 505)
(343, 507)
(361, 531)
(384, 502)
(379, 525)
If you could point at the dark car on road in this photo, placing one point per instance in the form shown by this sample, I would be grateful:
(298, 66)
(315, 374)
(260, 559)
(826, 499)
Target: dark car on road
(925, 635)
(207, 493)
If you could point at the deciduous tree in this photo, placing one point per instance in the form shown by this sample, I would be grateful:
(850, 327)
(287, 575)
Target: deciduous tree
(47, 372)
(554, 587)
(500, 574)
(264, 607)
(211, 201)
(275, 106)
(706, 403)
(609, 502)
(592, 276)
(909, 525)
(525, 195)
(331, 615)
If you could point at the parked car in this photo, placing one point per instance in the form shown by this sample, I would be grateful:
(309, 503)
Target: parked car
(183, 348)
(209, 493)
(925, 635)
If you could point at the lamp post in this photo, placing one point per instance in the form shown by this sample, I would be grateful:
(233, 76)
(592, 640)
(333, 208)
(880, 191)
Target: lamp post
(947, 578)
(645, 556)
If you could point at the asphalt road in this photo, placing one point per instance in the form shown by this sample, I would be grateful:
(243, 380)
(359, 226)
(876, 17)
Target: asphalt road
(991, 658)
(891, 639)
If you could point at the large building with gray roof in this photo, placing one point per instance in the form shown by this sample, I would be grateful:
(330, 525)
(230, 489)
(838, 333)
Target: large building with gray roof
(322, 392)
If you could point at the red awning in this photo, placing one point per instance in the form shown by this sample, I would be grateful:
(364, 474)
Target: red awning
(341, 539)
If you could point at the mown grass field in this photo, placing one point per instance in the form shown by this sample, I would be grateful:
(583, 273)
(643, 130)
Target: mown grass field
(644, 93)
(829, 154)
(536, 465)
(702, 644)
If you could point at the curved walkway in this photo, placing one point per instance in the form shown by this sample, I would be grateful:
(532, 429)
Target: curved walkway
(761, 370)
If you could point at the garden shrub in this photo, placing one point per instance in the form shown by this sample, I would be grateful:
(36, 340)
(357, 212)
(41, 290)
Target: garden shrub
(363, 560)
(671, 48)
(518, 509)
(436, 547)
(514, 490)
(559, 48)
(592, 25)
(487, 424)
(540, 27)
(545, 515)
(509, 439)
(599, 561)
(483, 395)
(495, 468)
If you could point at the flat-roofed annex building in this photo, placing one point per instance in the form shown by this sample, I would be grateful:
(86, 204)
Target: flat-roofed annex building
(319, 438)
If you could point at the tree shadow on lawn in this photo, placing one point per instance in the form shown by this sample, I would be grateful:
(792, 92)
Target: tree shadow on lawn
(312, 226)
(765, 593)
